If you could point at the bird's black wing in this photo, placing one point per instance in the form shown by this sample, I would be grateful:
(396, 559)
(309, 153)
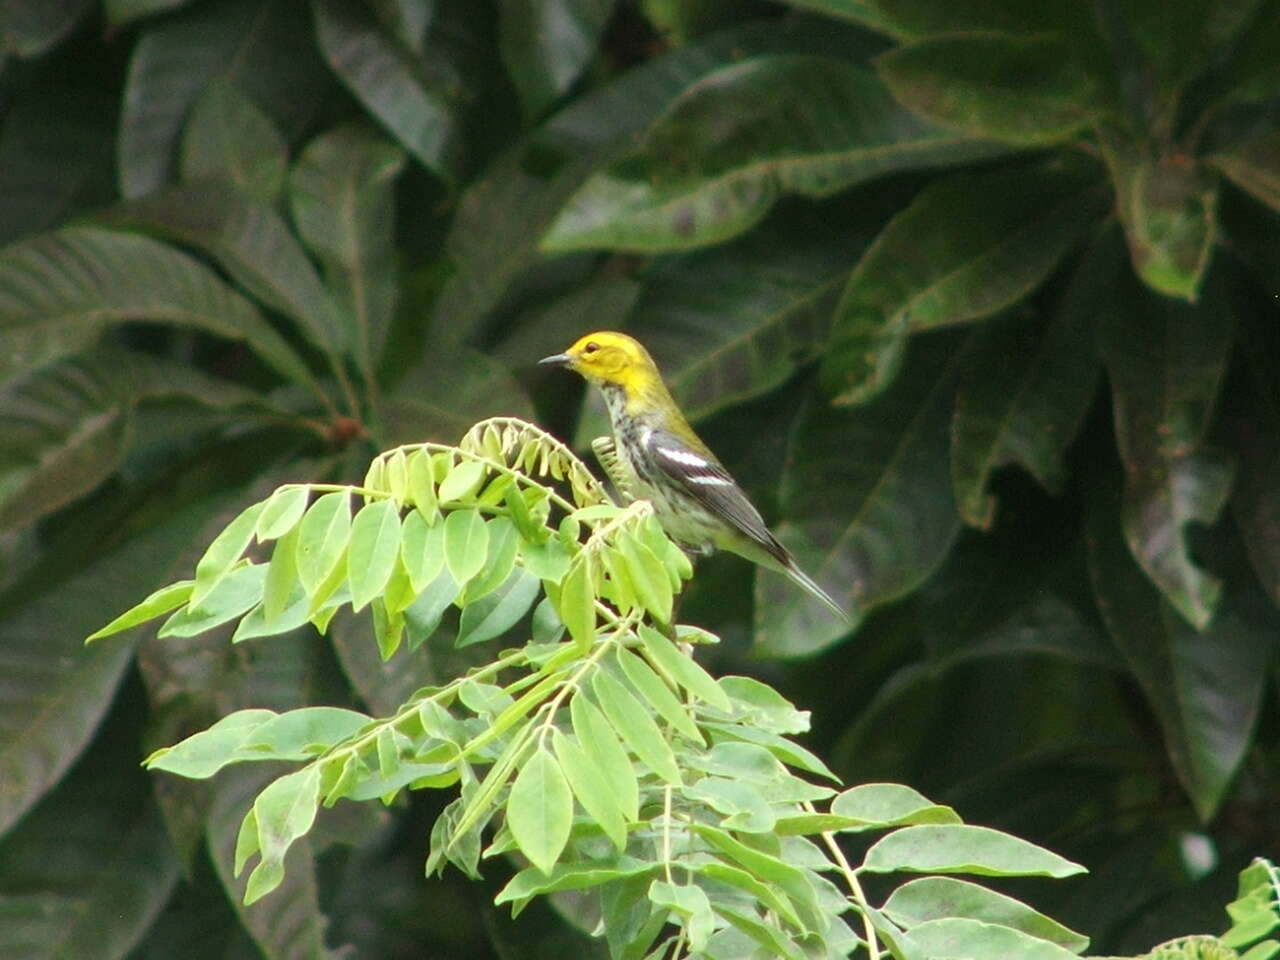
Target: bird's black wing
(700, 475)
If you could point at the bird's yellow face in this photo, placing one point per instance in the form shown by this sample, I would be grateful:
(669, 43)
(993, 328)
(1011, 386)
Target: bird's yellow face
(608, 357)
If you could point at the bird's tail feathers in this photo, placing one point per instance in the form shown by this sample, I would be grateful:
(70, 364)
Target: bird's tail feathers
(793, 571)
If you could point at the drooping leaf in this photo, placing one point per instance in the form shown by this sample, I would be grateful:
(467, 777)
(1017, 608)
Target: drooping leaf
(1026, 389)
(341, 194)
(546, 44)
(391, 83)
(58, 290)
(591, 787)
(1167, 206)
(227, 137)
(1204, 686)
(967, 246)
(1024, 90)
(323, 535)
(601, 745)
(1166, 362)
(828, 126)
(868, 528)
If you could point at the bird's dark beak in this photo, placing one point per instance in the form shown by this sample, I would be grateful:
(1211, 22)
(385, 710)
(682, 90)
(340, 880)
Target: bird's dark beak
(555, 360)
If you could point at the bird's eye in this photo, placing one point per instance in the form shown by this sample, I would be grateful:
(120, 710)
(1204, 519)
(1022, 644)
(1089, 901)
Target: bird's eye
(591, 347)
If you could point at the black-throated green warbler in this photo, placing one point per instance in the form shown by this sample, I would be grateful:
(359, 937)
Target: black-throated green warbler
(663, 461)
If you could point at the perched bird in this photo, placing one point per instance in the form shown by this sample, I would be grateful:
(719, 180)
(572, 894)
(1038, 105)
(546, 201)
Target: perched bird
(663, 461)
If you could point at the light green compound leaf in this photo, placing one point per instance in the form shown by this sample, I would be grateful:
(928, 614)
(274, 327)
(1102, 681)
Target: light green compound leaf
(682, 668)
(571, 876)
(935, 898)
(233, 596)
(968, 246)
(740, 138)
(955, 848)
(282, 588)
(422, 486)
(281, 512)
(576, 603)
(657, 694)
(631, 719)
(648, 576)
(466, 544)
(374, 548)
(203, 754)
(462, 481)
(964, 938)
(422, 549)
(601, 744)
(691, 904)
(591, 788)
(323, 535)
(878, 805)
(284, 811)
(540, 809)
(223, 553)
(498, 611)
(161, 602)
(500, 559)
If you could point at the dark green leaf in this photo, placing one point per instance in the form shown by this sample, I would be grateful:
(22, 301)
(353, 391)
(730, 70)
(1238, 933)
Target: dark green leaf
(1022, 396)
(1028, 91)
(58, 290)
(256, 45)
(1254, 166)
(34, 26)
(120, 12)
(341, 194)
(872, 527)
(955, 848)
(390, 82)
(967, 247)
(1205, 686)
(546, 44)
(1167, 205)
(715, 162)
(1166, 362)
(251, 242)
(227, 137)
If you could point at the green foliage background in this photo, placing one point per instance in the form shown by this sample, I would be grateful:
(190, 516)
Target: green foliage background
(979, 300)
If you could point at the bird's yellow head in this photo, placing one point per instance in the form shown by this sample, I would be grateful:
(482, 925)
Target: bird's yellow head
(610, 358)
